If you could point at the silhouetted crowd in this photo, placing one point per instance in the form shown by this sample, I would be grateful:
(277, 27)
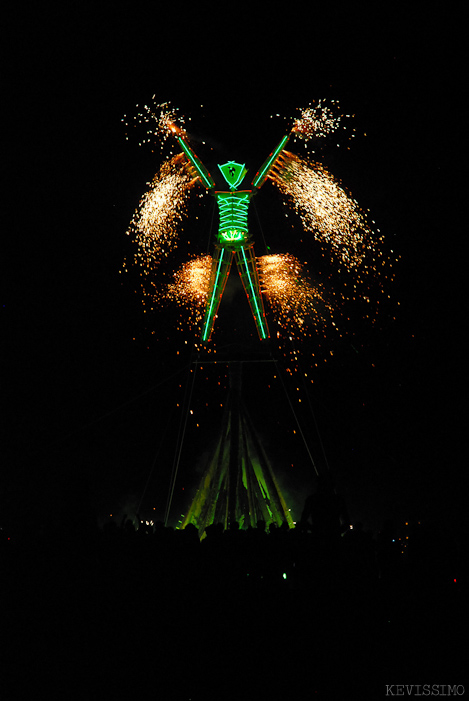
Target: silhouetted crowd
(140, 610)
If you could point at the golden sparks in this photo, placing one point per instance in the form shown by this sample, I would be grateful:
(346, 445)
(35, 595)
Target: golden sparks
(325, 209)
(317, 120)
(162, 208)
(159, 121)
(357, 266)
(187, 294)
(296, 302)
(189, 290)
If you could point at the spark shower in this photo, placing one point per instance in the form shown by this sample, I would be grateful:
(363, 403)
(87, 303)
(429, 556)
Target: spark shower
(301, 303)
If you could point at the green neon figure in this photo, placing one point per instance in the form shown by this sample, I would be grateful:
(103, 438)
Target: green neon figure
(233, 240)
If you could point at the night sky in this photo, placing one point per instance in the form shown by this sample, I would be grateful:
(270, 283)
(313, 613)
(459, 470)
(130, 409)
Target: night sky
(89, 395)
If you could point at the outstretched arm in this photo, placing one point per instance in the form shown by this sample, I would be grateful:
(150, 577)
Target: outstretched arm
(200, 170)
(267, 166)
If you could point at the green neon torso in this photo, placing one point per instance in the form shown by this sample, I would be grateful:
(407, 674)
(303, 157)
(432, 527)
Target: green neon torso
(233, 211)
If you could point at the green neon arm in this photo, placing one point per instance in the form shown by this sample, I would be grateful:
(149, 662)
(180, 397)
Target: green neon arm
(208, 323)
(203, 173)
(254, 297)
(264, 170)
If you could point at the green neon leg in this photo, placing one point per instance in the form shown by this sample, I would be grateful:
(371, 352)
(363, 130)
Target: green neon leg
(220, 270)
(246, 263)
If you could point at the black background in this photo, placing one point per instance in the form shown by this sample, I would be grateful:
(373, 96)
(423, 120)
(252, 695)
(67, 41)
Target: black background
(89, 396)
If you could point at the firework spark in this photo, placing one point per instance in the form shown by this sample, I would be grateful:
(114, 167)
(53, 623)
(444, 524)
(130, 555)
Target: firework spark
(318, 120)
(189, 293)
(325, 209)
(190, 287)
(335, 220)
(159, 121)
(294, 299)
(161, 210)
